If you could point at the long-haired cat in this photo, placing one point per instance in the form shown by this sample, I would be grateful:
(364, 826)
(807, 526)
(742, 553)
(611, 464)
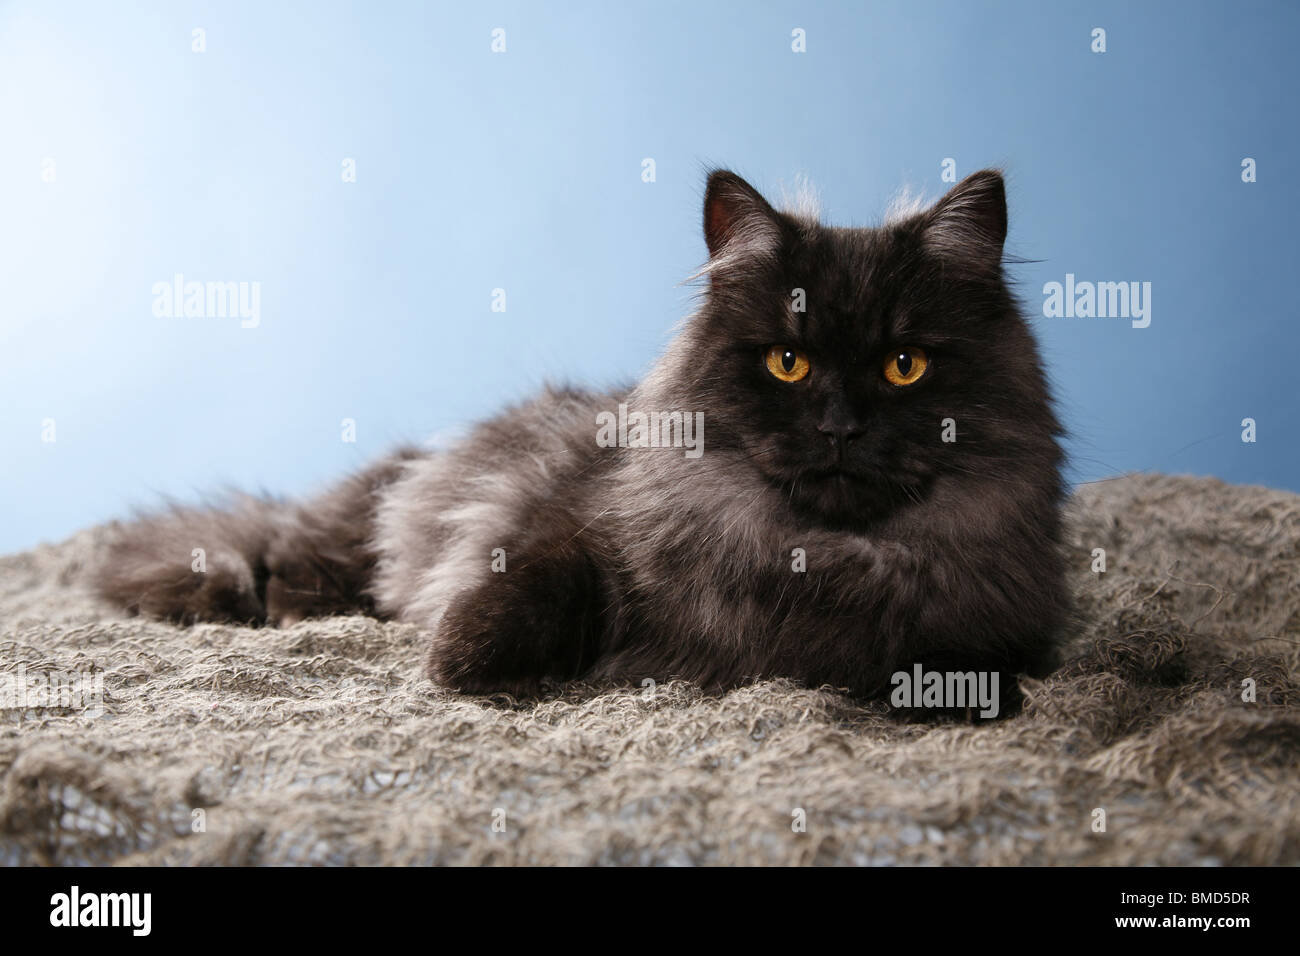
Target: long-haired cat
(874, 484)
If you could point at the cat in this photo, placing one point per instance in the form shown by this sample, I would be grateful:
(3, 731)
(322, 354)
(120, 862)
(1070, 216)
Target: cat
(880, 488)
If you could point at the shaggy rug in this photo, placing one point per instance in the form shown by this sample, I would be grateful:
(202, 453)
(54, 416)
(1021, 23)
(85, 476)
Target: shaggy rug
(321, 743)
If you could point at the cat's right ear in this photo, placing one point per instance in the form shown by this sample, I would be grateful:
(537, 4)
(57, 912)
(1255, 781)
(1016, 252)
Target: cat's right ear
(969, 225)
(738, 222)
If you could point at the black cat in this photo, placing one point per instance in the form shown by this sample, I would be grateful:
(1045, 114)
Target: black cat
(871, 480)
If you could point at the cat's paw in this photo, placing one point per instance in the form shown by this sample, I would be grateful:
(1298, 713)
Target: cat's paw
(476, 650)
(518, 628)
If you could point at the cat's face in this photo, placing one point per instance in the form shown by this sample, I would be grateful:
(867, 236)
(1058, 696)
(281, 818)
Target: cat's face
(851, 367)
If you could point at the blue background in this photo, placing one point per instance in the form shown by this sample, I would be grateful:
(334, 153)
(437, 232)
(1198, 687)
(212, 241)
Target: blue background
(522, 170)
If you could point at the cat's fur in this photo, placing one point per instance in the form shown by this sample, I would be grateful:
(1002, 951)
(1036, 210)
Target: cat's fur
(639, 563)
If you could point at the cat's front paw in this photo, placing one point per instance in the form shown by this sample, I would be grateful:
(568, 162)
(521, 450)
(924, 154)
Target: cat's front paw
(517, 628)
(481, 648)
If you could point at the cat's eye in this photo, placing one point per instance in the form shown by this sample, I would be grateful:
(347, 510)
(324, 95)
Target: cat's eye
(905, 366)
(787, 364)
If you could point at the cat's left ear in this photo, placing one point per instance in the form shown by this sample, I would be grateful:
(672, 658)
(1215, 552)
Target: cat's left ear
(969, 224)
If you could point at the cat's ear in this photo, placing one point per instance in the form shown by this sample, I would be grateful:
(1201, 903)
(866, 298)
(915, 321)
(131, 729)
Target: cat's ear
(969, 224)
(738, 222)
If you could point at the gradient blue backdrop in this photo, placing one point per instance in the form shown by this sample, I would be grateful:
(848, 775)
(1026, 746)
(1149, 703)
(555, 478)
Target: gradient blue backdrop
(522, 170)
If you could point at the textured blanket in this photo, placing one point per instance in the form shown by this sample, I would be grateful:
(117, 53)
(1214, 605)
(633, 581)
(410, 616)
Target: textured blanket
(1170, 735)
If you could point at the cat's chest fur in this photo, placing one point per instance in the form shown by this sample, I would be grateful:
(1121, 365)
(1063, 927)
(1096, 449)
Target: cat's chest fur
(725, 581)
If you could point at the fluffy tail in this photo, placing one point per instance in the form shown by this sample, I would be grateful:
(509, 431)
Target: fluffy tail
(254, 560)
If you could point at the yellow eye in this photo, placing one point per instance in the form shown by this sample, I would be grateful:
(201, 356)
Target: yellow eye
(787, 364)
(905, 366)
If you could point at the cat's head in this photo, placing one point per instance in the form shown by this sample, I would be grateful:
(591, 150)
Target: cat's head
(852, 367)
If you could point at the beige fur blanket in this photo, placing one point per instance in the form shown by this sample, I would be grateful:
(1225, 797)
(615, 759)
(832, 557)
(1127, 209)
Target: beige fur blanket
(322, 744)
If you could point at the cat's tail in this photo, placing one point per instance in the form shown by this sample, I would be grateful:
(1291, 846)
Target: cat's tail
(251, 560)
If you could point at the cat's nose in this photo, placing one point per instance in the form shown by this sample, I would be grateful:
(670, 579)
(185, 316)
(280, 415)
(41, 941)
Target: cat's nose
(839, 434)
